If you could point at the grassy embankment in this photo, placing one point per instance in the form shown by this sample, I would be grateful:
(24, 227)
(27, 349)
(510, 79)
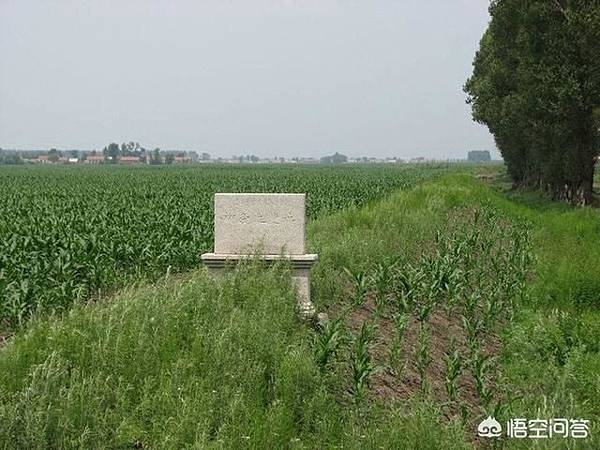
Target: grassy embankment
(189, 362)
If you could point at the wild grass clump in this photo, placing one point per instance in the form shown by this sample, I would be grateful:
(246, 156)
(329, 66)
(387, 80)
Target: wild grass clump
(184, 361)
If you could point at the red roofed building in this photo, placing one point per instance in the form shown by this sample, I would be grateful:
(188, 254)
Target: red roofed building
(129, 160)
(94, 159)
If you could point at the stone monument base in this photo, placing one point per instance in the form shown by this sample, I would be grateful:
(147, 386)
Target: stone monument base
(301, 264)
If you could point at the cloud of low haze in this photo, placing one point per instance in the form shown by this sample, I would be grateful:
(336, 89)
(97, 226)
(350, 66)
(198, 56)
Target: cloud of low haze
(279, 77)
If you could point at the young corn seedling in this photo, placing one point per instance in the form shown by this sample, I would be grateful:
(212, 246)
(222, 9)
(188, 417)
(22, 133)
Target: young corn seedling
(471, 302)
(360, 282)
(423, 311)
(381, 280)
(405, 284)
(453, 371)
(499, 408)
(395, 358)
(423, 356)
(491, 306)
(16, 308)
(361, 364)
(328, 341)
(480, 368)
(471, 327)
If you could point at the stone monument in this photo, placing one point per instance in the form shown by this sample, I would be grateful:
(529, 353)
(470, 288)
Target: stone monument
(268, 226)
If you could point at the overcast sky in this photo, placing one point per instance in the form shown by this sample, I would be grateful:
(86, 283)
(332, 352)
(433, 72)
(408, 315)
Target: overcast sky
(268, 77)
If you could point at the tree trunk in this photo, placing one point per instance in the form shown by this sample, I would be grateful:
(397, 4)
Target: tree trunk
(579, 192)
(586, 187)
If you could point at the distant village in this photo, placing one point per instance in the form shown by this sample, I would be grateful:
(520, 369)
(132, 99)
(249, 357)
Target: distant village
(133, 154)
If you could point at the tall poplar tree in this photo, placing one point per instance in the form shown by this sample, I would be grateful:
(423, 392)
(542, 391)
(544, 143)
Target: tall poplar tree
(536, 85)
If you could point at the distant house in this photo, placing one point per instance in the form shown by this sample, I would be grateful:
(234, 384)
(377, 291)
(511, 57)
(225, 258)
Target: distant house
(43, 159)
(94, 159)
(479, 156)
(182, 160)
(309, 160)
(129, 160)
(73, 160)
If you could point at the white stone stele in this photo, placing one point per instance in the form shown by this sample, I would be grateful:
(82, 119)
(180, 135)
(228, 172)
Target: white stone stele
(272, 224)
(275, 222)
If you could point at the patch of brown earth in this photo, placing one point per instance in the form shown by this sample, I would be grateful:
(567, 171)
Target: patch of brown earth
(487, 177)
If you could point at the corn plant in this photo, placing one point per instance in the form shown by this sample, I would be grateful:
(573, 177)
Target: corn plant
(360, 283)
(492, 305)
(395, 356)
(406, 282)
(382, 281)
(454, 369)
(423, 356)
(328, 341)
(362, 365)
(471, 302)
(480, 367)
(16, 307)
(472, 327)
(423, 311)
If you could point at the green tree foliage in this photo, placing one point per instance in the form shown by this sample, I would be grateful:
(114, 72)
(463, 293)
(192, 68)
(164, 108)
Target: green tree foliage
(112, 152)
(53, 155)
(10, 158)
(336, 158)
(536, 85)
(155, 158)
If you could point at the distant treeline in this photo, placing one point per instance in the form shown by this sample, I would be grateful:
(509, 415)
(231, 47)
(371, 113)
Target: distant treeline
(113, 153)
(10, 158)
(536, 85)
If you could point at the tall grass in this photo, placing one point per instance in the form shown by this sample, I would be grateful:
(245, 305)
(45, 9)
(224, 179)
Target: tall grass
(183, 361)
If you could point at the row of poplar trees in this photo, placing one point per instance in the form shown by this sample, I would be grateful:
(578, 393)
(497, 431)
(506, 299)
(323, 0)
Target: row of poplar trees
(536, 85)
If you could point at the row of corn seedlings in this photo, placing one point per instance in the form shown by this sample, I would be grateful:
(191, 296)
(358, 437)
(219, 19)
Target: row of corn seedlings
(333, 337)
(476, 272)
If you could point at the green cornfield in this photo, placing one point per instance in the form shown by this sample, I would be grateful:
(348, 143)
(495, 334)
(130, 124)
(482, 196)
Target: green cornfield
(68, 234)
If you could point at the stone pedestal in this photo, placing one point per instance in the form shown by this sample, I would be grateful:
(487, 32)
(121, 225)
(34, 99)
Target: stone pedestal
(301, 264)
(269, 227)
